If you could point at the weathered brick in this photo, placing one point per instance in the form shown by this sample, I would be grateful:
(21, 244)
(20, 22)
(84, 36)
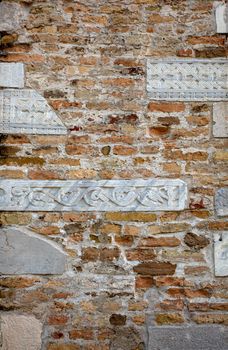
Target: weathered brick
(118, 216)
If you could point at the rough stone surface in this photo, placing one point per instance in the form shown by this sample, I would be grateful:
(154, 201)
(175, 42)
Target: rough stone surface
(220, 119)
(221, 254)
(221, 201)
(23, 252)
(189, 338)
(20, 332)
(221, 15)
(187, 80)
(195, 241)
(27, 112)
(12, 75)
(11, 15)
(109, 195)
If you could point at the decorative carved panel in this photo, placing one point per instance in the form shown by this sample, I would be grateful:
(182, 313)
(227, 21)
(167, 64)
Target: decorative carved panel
(110, 195)
(25, 111)
(188, 80)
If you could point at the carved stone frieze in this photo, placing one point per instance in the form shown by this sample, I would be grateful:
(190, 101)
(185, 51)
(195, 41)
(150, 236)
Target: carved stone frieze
(221, 254)
(188, 80)
(26, 112)
(81, 195)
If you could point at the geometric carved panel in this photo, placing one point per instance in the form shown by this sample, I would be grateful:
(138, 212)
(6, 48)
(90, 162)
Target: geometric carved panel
(188, 80)
(102, 195)
(26, 112)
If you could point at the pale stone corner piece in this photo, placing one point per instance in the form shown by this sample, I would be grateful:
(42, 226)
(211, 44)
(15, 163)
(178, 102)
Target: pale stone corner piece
(24, 111)
(221, 16)
(24, 252)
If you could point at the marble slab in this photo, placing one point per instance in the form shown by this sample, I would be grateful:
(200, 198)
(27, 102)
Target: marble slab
(221, 17)
(83, 195)
(220, 119)
(26, 112)
(192, 337)
(221, 201)
(12, 75)
(25, 252)
(20, 332)
(221, 254)
(187, 80)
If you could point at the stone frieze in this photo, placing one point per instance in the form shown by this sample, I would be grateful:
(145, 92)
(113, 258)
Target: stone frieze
(101, 195)
(188, 80)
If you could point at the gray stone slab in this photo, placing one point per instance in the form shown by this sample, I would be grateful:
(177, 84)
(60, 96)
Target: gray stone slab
(221, 254)
(26, 112)
(187, 80)
(24, 252)
(221, 201)
(220, 119)
(11, 15)
(19, 332)
(83, 195)
(12, 75)
(188, 338)
(221, 17)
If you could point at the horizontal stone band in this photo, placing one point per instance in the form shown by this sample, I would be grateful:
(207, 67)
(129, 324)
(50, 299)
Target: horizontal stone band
(101, 195)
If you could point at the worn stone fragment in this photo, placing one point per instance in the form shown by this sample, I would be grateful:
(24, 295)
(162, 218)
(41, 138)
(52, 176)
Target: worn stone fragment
(26, 112)
(221, 201)
(20, 332)
(189, 338)
(11, 15)
(220, 119)
(196, 241)
(221, 16)
(187, 80)
(103, 195)
(221, 254)
(24, 252)
(12, 75)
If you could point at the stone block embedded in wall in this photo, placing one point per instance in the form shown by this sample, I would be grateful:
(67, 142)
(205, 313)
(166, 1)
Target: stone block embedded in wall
(188, 80)
(221, 254)
(221, 17)
(26, 112)
(220, 119)
(210, 337)
(12, 75)
(102, 195)
(11, 15)
(221, 201)
(20, 332)
(24, 252)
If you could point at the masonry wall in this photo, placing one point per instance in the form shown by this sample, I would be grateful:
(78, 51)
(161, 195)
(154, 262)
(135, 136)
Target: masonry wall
(126, 271)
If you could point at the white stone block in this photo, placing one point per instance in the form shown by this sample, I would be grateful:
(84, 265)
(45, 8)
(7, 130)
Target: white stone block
(220, 119)
(19, 332)
(24, 252)
(221, 254)
(187, 80)
(12, 75)
(26, 112)
(221, 201)
(84, 195)
(221, 17)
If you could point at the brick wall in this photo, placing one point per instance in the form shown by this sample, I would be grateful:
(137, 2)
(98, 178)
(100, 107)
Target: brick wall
(126, 270)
